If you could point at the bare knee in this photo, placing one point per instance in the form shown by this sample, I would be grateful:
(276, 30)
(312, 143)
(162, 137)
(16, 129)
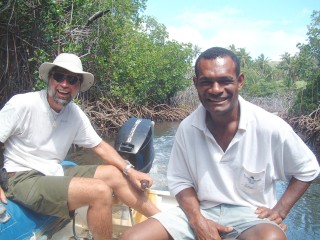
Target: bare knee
(111, 175)
(102, 192)
(88, 191)
(263, 231)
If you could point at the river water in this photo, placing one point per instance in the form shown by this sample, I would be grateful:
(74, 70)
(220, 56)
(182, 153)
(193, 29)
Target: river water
(303, 220)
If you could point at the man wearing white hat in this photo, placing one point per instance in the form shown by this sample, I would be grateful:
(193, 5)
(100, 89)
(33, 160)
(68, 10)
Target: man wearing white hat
(37, 130)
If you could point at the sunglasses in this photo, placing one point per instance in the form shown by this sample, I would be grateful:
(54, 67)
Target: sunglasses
(60, 77)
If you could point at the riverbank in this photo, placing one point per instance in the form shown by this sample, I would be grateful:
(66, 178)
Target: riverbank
(108, 116)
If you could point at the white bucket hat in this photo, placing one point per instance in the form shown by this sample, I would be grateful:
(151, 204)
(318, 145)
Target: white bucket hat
(71, 63)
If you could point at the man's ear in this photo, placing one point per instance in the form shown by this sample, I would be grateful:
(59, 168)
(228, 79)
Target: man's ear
(194, 79)
(240, 80)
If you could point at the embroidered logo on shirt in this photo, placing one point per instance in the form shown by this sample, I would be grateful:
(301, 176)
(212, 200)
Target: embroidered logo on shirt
(252, 182)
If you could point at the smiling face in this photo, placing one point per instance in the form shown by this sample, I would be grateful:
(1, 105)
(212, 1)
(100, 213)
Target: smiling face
(60, 91)
(218, 86)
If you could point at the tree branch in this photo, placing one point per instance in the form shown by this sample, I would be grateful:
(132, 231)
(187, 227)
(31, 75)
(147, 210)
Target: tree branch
(5, 7)
(96, 16)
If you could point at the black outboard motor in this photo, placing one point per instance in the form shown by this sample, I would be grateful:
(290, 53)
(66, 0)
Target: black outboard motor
(135, 143)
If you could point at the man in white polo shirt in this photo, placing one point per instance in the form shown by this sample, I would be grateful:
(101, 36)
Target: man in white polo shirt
(224, 163)
(37, 130)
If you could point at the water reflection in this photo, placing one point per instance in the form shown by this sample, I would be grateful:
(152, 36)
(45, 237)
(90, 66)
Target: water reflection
(163, 141)
(304, 218)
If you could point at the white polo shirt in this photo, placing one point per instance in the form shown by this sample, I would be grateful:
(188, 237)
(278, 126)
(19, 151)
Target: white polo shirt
(264, 149)
(37, 138)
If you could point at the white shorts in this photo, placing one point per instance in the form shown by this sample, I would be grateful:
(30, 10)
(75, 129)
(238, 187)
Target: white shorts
(239, 217)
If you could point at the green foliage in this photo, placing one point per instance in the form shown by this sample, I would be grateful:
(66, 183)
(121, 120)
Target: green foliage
(131, 56)
(306, 98)
(261, 76)
(314, 36)
(265, 88)
(299, 73)
(140, 65)
(307, 65)
(300, 85)
(151, 73)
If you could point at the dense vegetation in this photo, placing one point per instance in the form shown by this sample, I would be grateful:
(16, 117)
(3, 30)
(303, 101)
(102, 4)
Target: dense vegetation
(299, 74)
(134, 62)
(130, 54)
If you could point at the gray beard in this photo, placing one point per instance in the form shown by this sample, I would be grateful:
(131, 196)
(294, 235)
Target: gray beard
(60, 101)
(57, 100)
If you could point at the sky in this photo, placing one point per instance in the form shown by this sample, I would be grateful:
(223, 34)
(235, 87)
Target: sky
(269, 27)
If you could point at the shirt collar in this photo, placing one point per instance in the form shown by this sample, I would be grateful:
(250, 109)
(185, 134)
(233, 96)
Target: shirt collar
(244, 114)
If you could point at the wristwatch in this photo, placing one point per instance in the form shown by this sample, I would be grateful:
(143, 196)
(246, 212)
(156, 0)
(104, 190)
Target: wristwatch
(126, 169)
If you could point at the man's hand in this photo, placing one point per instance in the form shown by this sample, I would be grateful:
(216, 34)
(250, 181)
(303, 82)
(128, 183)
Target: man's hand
(203, 228)
(140, 180)
(2, 196)
(272, 215)
(206, 229)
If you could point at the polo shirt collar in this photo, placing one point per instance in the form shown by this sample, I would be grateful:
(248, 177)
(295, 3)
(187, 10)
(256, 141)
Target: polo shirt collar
(244, 114)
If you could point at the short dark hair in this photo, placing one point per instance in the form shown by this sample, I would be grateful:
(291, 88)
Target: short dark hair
(213, 53)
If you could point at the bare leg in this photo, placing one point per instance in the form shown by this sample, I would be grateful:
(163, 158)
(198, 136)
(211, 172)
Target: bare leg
(125, 191)
(148, 229)
(98, 196)
(263, 231)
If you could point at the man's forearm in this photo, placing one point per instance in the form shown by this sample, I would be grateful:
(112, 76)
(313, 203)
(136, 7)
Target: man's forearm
(109, 155)
(294, 191)
(189, 202)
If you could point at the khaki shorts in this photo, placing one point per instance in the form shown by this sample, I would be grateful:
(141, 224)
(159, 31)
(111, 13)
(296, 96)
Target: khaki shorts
(239, 217)
(46, 194)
